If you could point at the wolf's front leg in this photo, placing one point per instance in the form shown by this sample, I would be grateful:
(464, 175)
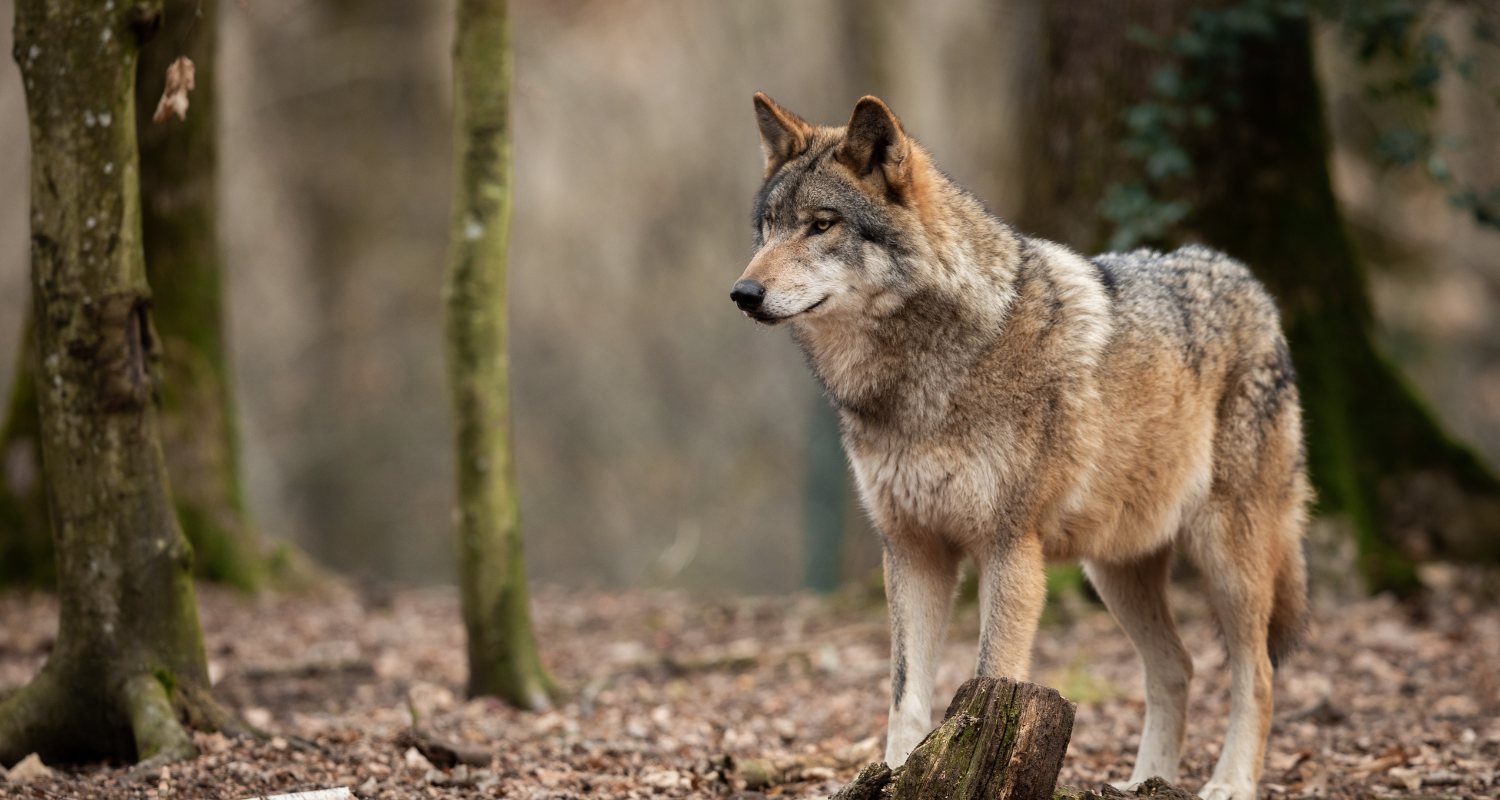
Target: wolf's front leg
(919, 580)
(1012, 591)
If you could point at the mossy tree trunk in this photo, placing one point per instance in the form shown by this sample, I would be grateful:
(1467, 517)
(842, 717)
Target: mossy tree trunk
(503, 658)
(128, 666)
(184, 268)
(1261, 192)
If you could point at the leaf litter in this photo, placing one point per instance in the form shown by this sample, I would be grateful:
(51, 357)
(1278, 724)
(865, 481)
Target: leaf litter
(675, 695)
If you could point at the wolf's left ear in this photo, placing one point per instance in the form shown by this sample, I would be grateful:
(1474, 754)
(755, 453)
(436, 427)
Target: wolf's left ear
(783, 135)
(876, 140)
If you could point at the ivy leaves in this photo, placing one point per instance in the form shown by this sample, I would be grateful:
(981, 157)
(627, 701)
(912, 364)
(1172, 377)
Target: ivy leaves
(1398, 41)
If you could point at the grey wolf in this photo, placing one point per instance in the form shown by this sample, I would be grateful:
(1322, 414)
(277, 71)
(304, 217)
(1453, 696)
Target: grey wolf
(1005, 398)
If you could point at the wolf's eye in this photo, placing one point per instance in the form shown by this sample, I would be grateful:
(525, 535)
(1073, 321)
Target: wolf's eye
(821, 225)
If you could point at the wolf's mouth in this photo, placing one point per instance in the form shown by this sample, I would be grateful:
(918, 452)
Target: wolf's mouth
(772, 320)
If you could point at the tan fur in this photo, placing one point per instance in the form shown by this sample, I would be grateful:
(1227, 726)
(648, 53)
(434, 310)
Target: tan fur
(1005, 398)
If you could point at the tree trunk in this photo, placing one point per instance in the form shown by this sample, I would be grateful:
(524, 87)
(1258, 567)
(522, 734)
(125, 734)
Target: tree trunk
(129, 661)
(1261, 192)
(503, 658)
(185, 268)
(999, 739)
(25, 536)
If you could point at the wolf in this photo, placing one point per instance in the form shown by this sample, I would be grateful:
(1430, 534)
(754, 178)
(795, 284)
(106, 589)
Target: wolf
(1005, 398)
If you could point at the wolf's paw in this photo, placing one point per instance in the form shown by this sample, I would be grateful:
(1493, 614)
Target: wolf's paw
(1127, 786)
(1222, 790)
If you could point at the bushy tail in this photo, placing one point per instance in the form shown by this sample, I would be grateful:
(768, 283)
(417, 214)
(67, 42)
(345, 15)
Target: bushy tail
(1288, 605)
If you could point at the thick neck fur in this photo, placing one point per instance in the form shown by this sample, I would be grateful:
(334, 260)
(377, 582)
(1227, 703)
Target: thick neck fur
(898, 361)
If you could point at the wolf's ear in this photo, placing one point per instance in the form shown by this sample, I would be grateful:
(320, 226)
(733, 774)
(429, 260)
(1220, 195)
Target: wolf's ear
(783, 135)
(875, 140)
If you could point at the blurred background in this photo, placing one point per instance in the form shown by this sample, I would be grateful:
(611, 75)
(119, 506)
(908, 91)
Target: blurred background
(661, 438)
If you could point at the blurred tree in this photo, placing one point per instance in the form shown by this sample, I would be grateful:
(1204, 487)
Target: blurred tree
(183, 265)
(1249, 175)
(128, 662)
(503, 658)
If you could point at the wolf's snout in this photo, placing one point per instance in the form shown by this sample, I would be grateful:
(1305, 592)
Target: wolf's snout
(748, 294)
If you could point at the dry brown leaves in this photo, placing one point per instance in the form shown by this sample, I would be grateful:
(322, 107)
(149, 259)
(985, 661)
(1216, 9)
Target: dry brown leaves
(674, 696)
(174, 98)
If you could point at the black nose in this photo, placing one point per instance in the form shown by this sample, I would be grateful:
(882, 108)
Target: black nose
(748, 295)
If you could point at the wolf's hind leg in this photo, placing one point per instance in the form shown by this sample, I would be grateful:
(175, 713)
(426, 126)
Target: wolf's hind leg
(1136, 593)
(920, 577)
(1237, 558)
(1012, 592)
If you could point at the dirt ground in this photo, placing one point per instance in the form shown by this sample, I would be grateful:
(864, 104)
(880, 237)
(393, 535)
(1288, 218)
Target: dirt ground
(1384, 701)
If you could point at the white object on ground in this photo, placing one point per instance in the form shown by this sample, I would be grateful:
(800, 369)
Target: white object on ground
(341, 793)
(29, 769)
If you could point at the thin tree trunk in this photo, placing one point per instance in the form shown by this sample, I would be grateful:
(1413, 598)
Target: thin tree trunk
(129, 660)
(184, 267)
(503, 658)
(1262, 193)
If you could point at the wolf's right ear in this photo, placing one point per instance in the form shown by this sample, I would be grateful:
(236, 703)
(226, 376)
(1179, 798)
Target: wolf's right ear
(783, 135)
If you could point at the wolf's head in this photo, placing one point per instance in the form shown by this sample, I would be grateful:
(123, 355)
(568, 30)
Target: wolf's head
(839, 221)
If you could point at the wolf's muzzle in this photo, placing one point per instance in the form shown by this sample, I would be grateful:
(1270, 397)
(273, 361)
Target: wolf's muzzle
(748, 295)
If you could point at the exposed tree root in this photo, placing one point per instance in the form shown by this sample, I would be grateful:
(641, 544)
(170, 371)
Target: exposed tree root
(159, 738)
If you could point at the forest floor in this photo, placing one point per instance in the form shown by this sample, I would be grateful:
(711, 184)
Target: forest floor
(1384, 700)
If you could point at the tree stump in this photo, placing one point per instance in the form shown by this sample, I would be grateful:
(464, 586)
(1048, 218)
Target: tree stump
(1000, 740)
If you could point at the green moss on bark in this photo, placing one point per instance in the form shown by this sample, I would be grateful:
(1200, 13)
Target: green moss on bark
(503, 658)
(127, 611)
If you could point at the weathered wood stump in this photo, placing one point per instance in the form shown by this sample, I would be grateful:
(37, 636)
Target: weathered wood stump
(1000, 740)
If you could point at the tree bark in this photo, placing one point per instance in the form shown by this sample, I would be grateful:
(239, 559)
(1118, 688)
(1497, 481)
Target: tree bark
(129, 662)
(184, 269)
(999, 739)
(503, 658)
(1261, 192)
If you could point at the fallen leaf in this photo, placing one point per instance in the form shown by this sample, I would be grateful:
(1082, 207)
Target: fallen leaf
(174, 99)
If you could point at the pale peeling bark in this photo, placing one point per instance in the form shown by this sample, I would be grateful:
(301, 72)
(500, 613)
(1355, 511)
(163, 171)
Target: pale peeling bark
(128, 663)
(503, 659)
